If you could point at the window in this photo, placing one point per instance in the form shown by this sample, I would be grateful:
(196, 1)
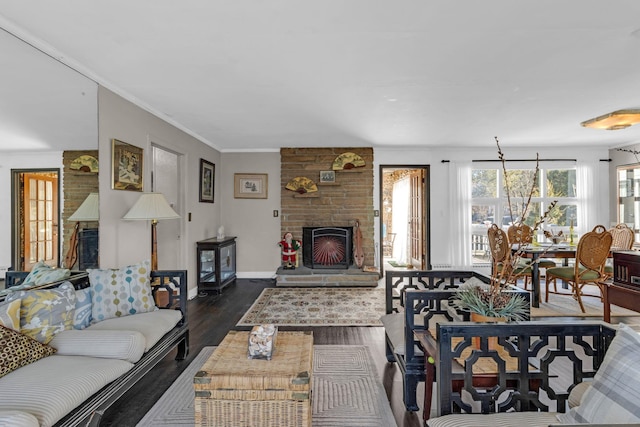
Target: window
(629, 197)
(490, 202)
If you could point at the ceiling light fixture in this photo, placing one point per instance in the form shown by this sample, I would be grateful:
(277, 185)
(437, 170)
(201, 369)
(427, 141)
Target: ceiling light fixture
(619, 119)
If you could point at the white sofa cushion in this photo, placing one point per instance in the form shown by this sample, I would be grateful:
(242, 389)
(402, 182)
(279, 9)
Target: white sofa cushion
(503, 419)
(52, 387)
(614, 395)
(152, 325)
(17, 419)
(124, 345)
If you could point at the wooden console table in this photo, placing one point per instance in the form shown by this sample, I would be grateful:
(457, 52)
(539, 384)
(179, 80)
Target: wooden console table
(620, 295)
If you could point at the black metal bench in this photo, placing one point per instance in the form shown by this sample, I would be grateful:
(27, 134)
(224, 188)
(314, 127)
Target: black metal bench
(422, 295)
(541, 350)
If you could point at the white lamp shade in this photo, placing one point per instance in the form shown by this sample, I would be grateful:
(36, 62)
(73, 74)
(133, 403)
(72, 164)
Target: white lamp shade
(151, 206)
(89, 210)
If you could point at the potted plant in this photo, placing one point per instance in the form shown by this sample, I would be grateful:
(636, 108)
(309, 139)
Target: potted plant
(498, 301)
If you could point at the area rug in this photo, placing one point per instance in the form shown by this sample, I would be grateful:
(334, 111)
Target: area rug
(317, 307)
(346, 391)
(566, 306)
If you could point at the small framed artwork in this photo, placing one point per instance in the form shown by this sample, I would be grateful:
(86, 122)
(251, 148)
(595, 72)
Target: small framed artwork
(207, 180)
(126, 166)
(250, 186)
(327, 176)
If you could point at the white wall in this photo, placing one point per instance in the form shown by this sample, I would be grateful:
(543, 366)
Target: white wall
(9, 161)
(128, 242)
(252, 220)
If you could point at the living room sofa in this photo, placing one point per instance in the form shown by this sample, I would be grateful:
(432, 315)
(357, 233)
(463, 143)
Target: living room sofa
(92, 366)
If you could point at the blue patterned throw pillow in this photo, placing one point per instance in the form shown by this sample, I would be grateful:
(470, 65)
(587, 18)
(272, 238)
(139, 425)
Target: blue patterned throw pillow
(82, 316)
(41, 274)
(121, 292)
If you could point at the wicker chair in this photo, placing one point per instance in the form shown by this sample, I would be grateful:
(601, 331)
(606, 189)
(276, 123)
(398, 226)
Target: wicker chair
(591, 255)
(522, 234)
(501, 256)
(623, 239)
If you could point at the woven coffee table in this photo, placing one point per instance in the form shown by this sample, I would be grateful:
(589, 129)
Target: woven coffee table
(233, 390)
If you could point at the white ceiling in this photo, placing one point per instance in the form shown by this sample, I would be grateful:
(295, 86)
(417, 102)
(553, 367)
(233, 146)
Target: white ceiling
(250, 74)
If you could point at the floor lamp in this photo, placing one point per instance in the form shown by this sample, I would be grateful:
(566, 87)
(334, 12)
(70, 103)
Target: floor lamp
(89, 210)
(152, 207)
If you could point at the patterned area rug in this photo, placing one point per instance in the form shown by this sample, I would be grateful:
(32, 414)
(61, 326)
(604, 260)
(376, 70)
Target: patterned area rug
(346, 391)
(317, 307)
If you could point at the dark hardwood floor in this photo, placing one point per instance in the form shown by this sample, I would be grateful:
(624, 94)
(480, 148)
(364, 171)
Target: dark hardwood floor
(212, 316)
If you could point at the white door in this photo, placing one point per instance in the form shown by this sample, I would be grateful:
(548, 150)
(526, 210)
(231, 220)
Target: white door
(166, 180)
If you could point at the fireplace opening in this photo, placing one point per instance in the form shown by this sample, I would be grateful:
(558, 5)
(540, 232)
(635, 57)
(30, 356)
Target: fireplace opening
(327, 247)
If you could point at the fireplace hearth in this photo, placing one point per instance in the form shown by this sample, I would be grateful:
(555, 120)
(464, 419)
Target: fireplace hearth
(327, 247)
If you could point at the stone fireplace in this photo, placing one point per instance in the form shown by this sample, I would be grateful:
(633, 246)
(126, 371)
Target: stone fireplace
(336, 205)
(327, 247)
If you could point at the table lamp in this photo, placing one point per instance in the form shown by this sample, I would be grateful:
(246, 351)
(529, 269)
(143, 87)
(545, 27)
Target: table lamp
(89, 210)
(152, 207)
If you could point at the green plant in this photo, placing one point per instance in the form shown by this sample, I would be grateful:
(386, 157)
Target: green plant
(488, 302)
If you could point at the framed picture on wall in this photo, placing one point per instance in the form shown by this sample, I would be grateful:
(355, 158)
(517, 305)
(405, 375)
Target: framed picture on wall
(250, 186)
(328, 176)
(207, 180)
(127, 163)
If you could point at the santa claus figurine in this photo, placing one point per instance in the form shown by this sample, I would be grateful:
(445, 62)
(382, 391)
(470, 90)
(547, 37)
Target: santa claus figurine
(289, 248)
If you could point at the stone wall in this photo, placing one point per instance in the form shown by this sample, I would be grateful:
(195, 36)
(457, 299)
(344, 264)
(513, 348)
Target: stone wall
(341, 203)
(76, 186)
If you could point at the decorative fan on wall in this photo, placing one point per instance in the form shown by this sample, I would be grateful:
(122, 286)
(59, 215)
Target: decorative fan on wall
(301, 184)
(347, 161)
(84, 163)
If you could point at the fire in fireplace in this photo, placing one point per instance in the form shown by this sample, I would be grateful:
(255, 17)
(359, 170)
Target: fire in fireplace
(327, 247)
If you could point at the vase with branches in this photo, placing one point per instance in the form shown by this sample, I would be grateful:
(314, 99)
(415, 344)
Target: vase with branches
(497, 300)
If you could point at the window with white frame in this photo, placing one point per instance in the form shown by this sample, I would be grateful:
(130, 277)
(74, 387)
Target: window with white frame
(490, 201)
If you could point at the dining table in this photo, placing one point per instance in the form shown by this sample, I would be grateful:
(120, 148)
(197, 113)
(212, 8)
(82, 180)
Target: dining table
(564, 251)
(542, 250)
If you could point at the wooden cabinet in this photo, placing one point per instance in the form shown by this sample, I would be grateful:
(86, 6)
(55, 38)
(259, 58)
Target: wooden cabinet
(216, 263)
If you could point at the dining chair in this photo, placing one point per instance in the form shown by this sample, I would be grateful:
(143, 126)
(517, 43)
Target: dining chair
(591, 254)
(500, 249)
(522, 234)
(623, 239)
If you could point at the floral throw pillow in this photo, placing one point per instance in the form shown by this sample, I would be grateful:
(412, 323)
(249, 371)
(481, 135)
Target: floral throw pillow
(17, 350)
(41, 274)
(121, 292)
(10, 314)
(45, 312)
